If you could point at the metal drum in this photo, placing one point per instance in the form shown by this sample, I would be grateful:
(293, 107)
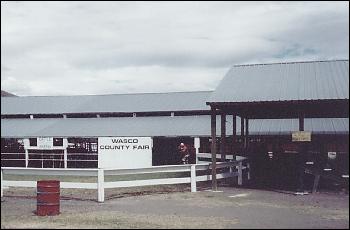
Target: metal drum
(48, 198)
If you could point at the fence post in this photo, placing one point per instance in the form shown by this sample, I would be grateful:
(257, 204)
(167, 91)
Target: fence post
(193, 178)
(26, 155)
(2, 188)
(100, 185)
(240, 174)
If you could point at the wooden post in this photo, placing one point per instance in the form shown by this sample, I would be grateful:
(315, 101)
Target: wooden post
(300, 157)
(26, 155)
(234, 134)
(2, 187)
(223, 137)
(248, 171)
(193, 178)
(65, 156)
(213, 148)
(301, 122)
(197, 146)
(246, 135)
(242, 132)
(240, 173)
(100, 185)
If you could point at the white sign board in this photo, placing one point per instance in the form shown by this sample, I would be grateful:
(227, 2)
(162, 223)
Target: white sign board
(45, 142)
(124, 152)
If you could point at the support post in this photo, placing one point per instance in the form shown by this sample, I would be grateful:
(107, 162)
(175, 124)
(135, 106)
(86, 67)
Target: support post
(246, 140)
(234, 134)
(100, 185)
(223, 137)
(193, 178)
(301, 122)
(300, 157)
(242, 133)
(2, 187)
(213, 149)
(240, 173)
(248, 171)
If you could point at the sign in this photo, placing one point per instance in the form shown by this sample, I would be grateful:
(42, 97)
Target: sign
(332, 155)
(45, 142)
(124, 152)
(301, 136)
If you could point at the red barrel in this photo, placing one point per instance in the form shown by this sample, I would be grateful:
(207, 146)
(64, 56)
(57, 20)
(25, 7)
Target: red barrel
(48, 198)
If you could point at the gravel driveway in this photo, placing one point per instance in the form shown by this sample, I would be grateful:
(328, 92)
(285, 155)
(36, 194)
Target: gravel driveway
(176, 207)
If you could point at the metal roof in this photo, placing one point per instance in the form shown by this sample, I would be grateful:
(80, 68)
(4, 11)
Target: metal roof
(160, 126)
(141, 102)
(314, 80)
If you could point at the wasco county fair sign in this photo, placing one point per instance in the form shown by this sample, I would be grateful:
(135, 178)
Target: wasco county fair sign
(124, 152)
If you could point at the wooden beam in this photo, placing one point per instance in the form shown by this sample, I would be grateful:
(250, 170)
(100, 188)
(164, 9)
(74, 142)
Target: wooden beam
(213, 148)
(223, 137)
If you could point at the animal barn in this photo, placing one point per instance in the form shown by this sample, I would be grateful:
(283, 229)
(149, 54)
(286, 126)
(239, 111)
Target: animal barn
(284, 117)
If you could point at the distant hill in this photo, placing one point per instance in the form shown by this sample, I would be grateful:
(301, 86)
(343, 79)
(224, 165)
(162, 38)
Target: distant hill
(6, 94)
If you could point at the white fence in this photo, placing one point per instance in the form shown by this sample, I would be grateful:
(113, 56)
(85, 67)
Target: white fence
(235, 170)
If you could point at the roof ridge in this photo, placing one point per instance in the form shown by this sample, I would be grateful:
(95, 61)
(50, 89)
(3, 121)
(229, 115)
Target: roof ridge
(292, 62)
(141, 93)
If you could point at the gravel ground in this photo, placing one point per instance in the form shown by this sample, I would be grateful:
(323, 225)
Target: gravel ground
(177, 207)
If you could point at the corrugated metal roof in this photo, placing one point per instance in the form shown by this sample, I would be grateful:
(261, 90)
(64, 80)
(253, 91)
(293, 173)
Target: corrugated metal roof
(284, 81)
(160, 126)
(141, 102)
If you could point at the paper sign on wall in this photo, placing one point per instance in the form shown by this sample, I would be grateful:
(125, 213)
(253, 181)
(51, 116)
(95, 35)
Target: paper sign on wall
(45, 142)
(301, 136)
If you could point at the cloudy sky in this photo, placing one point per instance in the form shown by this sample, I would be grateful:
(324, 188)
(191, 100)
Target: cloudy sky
(72, 48)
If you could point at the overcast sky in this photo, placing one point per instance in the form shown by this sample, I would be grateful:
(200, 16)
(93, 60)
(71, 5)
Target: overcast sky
(72, 48)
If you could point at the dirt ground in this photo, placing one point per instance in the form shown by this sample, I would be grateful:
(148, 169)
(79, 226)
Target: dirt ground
(176, 207)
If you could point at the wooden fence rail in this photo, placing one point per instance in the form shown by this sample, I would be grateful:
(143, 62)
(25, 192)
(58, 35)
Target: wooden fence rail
(236, 169)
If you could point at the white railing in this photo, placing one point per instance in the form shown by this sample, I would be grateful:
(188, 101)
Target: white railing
(235, 170)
